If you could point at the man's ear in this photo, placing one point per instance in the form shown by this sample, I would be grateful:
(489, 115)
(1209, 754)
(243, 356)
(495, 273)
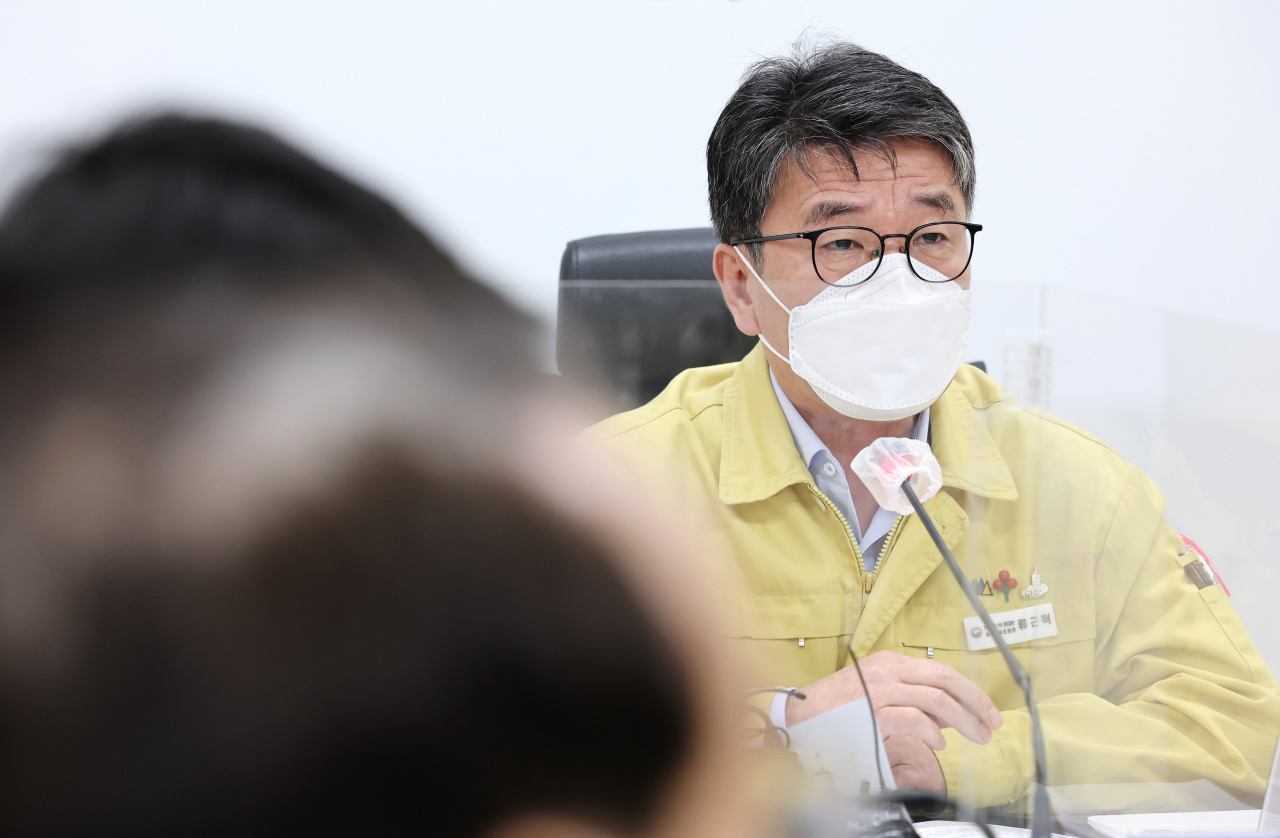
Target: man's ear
(733, 277)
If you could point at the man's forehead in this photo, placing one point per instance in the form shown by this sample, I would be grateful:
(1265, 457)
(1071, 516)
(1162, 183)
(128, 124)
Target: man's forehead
(907, 161)
(917, 170)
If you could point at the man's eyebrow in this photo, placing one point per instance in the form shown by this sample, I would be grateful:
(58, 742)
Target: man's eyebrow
(823, 212)
(937, 200)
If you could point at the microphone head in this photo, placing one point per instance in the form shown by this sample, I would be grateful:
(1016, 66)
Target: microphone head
(887, 463)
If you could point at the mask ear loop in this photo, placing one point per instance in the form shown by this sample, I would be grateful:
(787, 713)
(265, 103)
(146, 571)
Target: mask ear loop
(773, 296)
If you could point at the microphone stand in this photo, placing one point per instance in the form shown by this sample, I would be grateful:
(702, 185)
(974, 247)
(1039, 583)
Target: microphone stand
(1041, 816)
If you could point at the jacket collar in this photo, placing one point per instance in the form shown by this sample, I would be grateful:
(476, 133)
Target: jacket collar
(759, 456)
(960, 440)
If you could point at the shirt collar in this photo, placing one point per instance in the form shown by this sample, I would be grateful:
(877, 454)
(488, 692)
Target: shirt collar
(807, 441)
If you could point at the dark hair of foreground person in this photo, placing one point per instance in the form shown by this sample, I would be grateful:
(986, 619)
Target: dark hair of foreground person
(410, 651)
(167, 195)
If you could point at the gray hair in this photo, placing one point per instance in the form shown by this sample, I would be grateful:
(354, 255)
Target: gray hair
(834, 96)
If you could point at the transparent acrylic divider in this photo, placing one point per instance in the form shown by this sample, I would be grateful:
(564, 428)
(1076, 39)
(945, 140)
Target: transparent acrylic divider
(1195, 404)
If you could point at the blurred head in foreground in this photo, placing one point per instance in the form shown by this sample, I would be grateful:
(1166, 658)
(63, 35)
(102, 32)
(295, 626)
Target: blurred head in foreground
(279, 550)
(210, 200)
(392, 654)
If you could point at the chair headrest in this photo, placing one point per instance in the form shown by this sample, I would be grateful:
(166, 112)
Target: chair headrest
(653, 254)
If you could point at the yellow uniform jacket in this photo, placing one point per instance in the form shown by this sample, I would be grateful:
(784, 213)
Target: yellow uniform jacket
(1149, 678)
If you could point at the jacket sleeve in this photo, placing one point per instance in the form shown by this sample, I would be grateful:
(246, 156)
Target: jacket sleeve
(1181, 693)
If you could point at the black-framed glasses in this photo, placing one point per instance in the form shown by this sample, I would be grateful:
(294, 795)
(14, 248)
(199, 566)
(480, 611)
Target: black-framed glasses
(945, 247)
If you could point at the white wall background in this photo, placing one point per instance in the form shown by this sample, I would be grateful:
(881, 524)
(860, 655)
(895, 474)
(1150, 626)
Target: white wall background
(1128, 160)
(1124, 148)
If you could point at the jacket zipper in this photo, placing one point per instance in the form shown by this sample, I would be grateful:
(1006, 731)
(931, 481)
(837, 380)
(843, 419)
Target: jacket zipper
(869, 579)
(848, 530)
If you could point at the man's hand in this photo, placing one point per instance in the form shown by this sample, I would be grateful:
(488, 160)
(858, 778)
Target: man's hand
(911, 697)
(914, 764)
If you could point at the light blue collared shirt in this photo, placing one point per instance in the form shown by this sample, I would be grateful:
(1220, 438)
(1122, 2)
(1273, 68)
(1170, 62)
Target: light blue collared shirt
(829, 476)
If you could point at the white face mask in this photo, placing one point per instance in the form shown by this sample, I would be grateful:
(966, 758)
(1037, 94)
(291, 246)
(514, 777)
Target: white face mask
(881, 350)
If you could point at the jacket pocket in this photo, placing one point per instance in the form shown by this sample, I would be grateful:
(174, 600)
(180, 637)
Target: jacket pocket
(1060, 664)
(791, 616)
(791, 640)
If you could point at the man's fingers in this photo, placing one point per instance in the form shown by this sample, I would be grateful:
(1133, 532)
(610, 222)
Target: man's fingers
(934, 674)
(934, 702)
(936, 694)
(910, 721)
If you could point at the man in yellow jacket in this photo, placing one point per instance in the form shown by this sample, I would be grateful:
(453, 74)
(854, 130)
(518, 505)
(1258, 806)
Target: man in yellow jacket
(840, 184)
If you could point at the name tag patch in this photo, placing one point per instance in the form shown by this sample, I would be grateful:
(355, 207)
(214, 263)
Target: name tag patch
(1017, 626)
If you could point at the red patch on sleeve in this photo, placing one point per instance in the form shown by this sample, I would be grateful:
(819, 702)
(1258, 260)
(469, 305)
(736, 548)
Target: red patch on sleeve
(1205, 558)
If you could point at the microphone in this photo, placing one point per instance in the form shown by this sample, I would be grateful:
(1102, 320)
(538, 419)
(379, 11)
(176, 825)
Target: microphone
(892, 469)
(887, 463)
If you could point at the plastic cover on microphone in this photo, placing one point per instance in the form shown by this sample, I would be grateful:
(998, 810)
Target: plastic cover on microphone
(887, 463)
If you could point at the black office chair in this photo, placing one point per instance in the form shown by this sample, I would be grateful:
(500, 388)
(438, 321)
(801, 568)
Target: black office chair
(637, 308)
